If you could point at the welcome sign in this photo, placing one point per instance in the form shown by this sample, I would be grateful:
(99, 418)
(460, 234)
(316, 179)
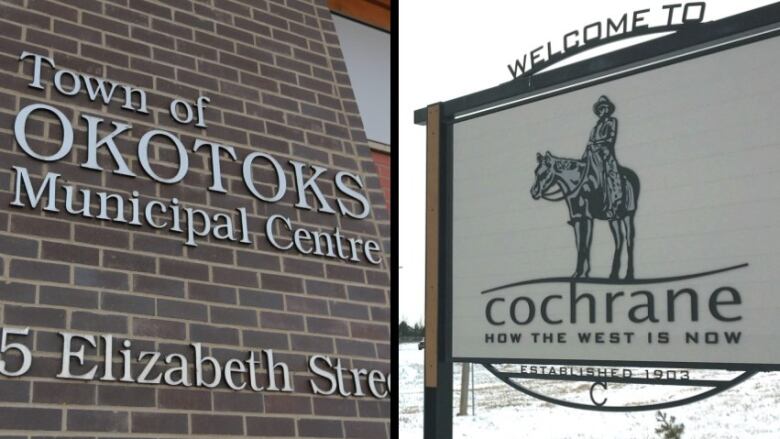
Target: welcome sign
(633, 221)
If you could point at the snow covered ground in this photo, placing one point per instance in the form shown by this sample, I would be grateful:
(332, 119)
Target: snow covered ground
(750, 410)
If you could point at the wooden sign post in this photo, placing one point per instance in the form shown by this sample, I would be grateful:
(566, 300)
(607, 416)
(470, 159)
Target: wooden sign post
(438, 357)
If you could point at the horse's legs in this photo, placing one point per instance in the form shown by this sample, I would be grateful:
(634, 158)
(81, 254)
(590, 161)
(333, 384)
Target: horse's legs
(575, 224)
(580, 241)
(583, 236)
(630, 231)
(587, 225)
(617, 235)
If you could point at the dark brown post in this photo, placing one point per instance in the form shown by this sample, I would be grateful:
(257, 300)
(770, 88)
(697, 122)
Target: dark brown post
(438, 366)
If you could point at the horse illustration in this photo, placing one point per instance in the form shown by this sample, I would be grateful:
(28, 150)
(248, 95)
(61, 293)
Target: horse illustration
(583, 191)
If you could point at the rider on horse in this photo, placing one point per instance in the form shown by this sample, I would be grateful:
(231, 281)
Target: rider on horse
(600, 154)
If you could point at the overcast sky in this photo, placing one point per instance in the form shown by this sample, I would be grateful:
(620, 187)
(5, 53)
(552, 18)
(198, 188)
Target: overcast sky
(449, 48)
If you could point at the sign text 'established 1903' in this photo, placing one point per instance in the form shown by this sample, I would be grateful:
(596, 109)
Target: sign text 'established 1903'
(194, 224)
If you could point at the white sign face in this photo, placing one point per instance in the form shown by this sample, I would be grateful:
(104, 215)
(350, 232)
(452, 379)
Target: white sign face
(675, 170)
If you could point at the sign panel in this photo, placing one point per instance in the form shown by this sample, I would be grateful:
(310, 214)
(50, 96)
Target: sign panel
(630, 221)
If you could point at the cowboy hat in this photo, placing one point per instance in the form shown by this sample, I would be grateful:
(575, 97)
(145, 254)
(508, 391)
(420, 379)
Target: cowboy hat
(603, 101)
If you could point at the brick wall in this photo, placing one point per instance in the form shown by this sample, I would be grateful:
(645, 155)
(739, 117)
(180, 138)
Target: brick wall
(382, 162)
(277, 83)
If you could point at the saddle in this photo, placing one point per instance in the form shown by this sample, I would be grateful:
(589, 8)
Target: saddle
(597, 174)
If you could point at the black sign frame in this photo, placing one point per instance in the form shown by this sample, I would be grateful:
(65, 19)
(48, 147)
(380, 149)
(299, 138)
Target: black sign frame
(687, 43)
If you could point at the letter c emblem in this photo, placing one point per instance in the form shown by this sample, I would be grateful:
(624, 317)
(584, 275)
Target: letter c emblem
(603, 384)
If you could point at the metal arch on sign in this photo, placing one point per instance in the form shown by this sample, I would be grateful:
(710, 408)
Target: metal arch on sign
(574, 51)
(686, 43)
(717, 387)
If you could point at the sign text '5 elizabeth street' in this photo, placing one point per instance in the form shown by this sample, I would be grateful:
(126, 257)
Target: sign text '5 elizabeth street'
(176, 369)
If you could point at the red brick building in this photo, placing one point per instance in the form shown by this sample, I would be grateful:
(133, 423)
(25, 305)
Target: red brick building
(194, 233)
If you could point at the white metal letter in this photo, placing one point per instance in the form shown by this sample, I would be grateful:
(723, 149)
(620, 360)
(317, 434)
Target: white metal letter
(108, 141)
(36, 83)
(281, 181)
(67, 354)
(143, 156)
(20, 128)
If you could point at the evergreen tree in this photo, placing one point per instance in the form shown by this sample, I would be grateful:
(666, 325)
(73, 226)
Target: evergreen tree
(404, 330)
(407, 332)
(419, 330)
(668, 429)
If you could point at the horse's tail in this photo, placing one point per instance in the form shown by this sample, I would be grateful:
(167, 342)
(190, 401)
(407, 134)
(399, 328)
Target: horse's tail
(631, 189)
